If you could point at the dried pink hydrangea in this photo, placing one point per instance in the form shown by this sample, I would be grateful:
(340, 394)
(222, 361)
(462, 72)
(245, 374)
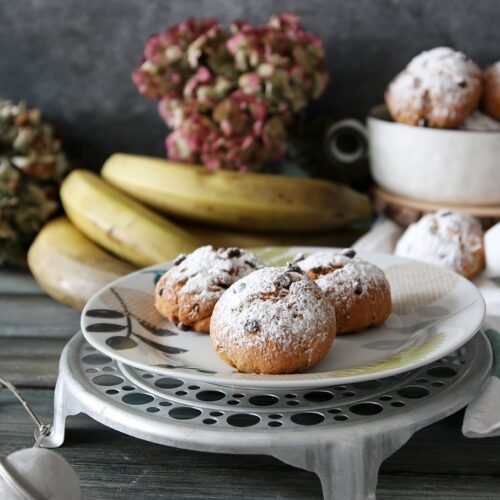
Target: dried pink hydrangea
(239, 134)
(281, 62)
(171, 57)
(229, 96)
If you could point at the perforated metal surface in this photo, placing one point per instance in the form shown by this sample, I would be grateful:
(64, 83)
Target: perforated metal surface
(343, 433)
(200, 404)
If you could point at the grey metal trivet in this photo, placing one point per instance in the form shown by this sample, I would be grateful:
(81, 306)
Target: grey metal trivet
(342, 433)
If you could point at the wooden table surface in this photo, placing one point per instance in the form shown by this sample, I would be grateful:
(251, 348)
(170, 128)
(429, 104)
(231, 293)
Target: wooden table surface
(438, 462)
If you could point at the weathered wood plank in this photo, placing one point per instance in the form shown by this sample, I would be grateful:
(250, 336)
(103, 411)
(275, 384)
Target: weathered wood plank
(14, 281)
(36, 316)
(112, 465)
(443, 448)
(30, 361)
(437, 487)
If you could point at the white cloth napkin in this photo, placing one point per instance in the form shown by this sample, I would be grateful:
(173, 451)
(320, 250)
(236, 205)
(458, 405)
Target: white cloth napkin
(482, 417)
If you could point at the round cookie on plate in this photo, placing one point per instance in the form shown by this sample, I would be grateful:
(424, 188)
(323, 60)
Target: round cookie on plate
(187, 293)
(275, 320)
(439, 88)
(491, 97)
(447, 239)
(358, 289)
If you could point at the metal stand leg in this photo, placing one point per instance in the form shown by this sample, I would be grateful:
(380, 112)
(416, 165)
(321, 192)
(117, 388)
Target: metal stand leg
(63, 407)
(348, 470)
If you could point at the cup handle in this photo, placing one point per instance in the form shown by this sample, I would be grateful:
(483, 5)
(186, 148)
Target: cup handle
(346, 142)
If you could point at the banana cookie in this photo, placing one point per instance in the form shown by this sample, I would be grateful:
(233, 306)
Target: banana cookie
(491, 98)
(358, 290)
(439, 88)
(447, 239)
(187, 293)
(276, 320)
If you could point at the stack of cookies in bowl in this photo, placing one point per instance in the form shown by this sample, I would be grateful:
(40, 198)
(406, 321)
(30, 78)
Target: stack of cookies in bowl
(442, 88)
(437, 138)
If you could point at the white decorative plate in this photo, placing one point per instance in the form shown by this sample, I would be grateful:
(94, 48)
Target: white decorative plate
(434, 313)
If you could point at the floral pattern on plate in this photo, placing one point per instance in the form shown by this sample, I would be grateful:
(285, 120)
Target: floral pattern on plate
(434, 313)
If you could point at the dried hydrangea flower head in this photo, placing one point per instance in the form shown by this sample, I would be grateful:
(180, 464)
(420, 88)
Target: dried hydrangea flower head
(171, 58)
(32, 165)
(281, 62)
(238, 134)
(229, 97)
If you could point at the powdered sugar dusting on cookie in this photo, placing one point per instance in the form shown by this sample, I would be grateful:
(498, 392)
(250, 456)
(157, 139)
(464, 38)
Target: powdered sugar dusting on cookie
(207, 272)
(441, 78)
(324, 260)
(275, 308)
(343, 276)
(447, 239)
(478, 121)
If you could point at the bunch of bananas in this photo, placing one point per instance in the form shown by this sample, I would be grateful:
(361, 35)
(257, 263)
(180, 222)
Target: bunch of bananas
(70, 258)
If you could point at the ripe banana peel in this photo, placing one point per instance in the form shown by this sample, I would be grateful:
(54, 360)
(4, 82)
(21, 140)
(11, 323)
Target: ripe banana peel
(220, 237)
(246, 201)
(120, 224)
(68, 266)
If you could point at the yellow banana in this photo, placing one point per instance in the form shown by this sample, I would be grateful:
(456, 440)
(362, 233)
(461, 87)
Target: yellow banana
(247, 201)
(220, 237)
(120, 224)
(68, 266)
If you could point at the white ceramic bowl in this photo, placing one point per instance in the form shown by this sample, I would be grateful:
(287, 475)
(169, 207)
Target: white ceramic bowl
(442, 166)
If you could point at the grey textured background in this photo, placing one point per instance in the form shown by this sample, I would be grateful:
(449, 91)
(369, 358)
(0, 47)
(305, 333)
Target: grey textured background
(73, 58)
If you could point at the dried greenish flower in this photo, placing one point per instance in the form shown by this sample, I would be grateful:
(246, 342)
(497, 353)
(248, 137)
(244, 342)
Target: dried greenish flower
(32, 165)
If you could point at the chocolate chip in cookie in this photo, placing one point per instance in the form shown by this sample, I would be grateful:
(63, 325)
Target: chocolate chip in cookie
(349, 253)
(180, 258)
(233, 252)
(291, 266)
(283, 281)
(251, 326)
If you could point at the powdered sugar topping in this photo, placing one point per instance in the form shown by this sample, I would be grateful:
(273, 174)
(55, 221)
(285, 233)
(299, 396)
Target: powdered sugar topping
(441, 77)
(343, 276)
(272, 307)
(207, 272)
(478, 121)
(447, 239)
